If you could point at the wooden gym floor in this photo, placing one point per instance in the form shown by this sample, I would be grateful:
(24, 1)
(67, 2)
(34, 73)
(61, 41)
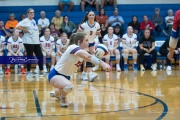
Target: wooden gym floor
(128, 95)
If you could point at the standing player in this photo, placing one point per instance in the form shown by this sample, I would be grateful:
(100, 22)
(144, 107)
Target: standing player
(91, 28)
(72, 58)
(15, 49)
(47, 43)
(128, 43)
(2, 43)
(61, 45)
(111, 41)
(174, 34)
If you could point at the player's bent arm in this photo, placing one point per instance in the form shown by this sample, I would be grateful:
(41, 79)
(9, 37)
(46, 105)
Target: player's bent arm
(9, 50)
(2, 48)
(21, 28)
(91, 58)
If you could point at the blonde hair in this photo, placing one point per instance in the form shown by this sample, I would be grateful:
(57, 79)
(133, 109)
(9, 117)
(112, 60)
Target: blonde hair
(75, 37)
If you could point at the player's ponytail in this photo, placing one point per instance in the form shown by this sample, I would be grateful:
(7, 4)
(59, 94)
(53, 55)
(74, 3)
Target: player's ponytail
(76, 37)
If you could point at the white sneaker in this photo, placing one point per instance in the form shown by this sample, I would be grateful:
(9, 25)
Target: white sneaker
(168, 68)
(118, 69)
(45, 69)
(92, 76)
(29, 76)
(36, 70)
(84, 77)
(95, 68)
(63, 101)
(142, 68)
(154, 67)
(1, 72)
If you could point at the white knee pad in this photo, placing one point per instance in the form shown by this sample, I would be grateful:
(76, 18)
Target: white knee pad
(125, 55)
(135, 56)
(117, 56)
(173, 42)
(68, 88)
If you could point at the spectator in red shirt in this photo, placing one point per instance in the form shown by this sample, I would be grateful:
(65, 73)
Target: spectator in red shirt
(146, 24)
(102, 18)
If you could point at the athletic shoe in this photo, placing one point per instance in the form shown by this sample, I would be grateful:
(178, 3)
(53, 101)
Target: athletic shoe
(118, 69)
(1, 72)
(142, 68)
(84, 77)
(135, 67)
(29, 76)
(41, 74)
(153, 67)
(8, 71)
(92, 76)
(36, 70)
(95, 68)
(63, 101)
(23, 71)
(52, 94)
(45, 70)
(168, 68)
(125, 67)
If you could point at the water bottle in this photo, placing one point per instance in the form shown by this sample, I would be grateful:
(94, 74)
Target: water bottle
(16, 69)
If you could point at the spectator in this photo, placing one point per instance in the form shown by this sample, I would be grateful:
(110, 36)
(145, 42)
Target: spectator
(110, 2)
(66, 2)
(11, 23)
(90, 2)
(22, 17)
(68, 26)
(147, 45)
(118, 31)
(129, 42)
(115, 19)
(146, 24)
(43, 21)
(135, 25)
(169, 20)
(111, 41)
(103, 31)
(55, 33)
(57, 20)
(158, 22)
(164, 50)
(4, 32)
(2, 43)
(102, 18)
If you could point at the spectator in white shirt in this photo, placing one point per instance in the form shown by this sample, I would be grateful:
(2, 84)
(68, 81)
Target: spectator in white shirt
(43, 21)
(169, 20)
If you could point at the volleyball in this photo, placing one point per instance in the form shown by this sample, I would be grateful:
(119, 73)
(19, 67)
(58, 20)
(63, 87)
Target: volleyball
(101, 51)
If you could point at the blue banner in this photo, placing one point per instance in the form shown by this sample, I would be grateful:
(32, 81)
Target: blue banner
(21, 59)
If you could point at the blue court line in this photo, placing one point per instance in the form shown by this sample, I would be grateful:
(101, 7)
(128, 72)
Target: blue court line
(2, 118)
(38, 108)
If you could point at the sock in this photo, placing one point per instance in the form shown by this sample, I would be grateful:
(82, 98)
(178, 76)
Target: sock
(134, 62)
(52, 66)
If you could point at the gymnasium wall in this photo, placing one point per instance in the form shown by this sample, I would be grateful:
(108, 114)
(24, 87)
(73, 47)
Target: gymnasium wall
(55, 2)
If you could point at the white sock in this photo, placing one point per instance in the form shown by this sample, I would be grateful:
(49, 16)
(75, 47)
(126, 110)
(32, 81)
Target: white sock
(37, 66)
(52, 66)
(134, 62)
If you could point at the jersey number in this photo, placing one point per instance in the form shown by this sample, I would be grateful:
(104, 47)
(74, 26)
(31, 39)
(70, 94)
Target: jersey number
(91, 32)
(15, 46)
(47, 45)
(110, 42)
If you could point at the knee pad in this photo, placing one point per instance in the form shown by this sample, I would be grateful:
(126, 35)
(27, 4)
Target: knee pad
(125, 55)
(117, 56)
(173, 42)
(89, 64)
(68, 88)
(135, 56)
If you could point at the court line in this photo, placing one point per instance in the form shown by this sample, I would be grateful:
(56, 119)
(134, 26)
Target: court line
(165, 111)
(38, 108)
